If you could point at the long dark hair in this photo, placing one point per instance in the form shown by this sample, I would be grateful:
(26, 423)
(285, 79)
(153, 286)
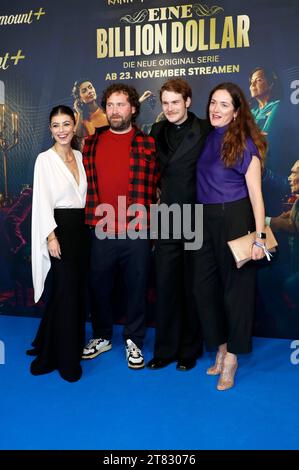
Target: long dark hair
(62, 109)
(76, 95)
(244, 125)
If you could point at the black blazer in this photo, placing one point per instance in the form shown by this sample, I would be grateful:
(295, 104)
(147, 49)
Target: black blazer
(178, 169)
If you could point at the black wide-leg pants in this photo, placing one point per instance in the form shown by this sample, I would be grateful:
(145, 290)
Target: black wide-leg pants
(225, 295)
(61, 335)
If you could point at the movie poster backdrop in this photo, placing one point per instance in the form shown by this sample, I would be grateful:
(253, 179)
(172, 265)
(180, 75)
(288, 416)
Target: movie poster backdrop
(46, 49)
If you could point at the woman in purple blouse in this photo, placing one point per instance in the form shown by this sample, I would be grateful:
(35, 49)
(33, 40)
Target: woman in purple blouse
(229, 187)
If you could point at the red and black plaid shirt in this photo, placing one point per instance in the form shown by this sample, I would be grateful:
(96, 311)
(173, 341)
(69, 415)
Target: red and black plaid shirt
(143, 173)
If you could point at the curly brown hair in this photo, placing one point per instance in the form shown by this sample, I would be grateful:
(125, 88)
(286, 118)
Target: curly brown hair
(127, 90)
(244, 126)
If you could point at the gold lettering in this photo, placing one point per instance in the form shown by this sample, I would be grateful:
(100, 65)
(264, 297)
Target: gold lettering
(169, 13)
(137, 40)
(153, 14)
(191, 36)
(102, 47)
(228, 39)
(163, 15)
(213, 43)
(177, 37)
(161, 38)
(243, 25)
(111, 42)
(117, 42)
(174, 12)
(129, 51)
(147, 39)
(186, 11)
(201, 36)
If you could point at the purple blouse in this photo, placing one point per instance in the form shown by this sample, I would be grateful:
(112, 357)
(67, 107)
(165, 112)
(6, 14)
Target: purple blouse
(216, 183)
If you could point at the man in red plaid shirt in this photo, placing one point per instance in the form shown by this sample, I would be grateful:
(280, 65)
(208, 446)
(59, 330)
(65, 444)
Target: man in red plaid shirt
(121, 168)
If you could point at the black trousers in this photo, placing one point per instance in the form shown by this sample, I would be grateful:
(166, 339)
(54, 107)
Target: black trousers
(132, 257)
(225, 295)
(61, 335)
(178, 332)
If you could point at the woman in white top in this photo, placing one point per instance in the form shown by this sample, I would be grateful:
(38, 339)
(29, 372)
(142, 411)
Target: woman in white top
(59, 242)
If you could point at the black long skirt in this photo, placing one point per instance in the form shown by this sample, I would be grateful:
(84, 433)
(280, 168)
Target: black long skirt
(61, 335)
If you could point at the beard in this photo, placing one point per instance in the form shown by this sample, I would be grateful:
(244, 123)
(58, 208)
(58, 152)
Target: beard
(121, 124)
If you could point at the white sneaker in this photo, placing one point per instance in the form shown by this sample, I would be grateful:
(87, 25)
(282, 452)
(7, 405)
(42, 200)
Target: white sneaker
(134, 355)
(95, 347)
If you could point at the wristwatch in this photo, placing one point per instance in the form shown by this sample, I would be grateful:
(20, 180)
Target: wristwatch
(261, 235)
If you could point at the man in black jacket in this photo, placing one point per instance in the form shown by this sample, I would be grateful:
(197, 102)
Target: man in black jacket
(179, 141)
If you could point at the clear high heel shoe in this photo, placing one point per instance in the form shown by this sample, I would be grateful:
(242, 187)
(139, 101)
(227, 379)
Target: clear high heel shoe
(217, 367)
(227, 376)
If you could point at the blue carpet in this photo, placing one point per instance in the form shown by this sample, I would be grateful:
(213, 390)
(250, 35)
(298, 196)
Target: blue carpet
(113, 407)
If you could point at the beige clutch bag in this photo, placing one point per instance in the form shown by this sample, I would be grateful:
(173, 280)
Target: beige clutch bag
(241, 247)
